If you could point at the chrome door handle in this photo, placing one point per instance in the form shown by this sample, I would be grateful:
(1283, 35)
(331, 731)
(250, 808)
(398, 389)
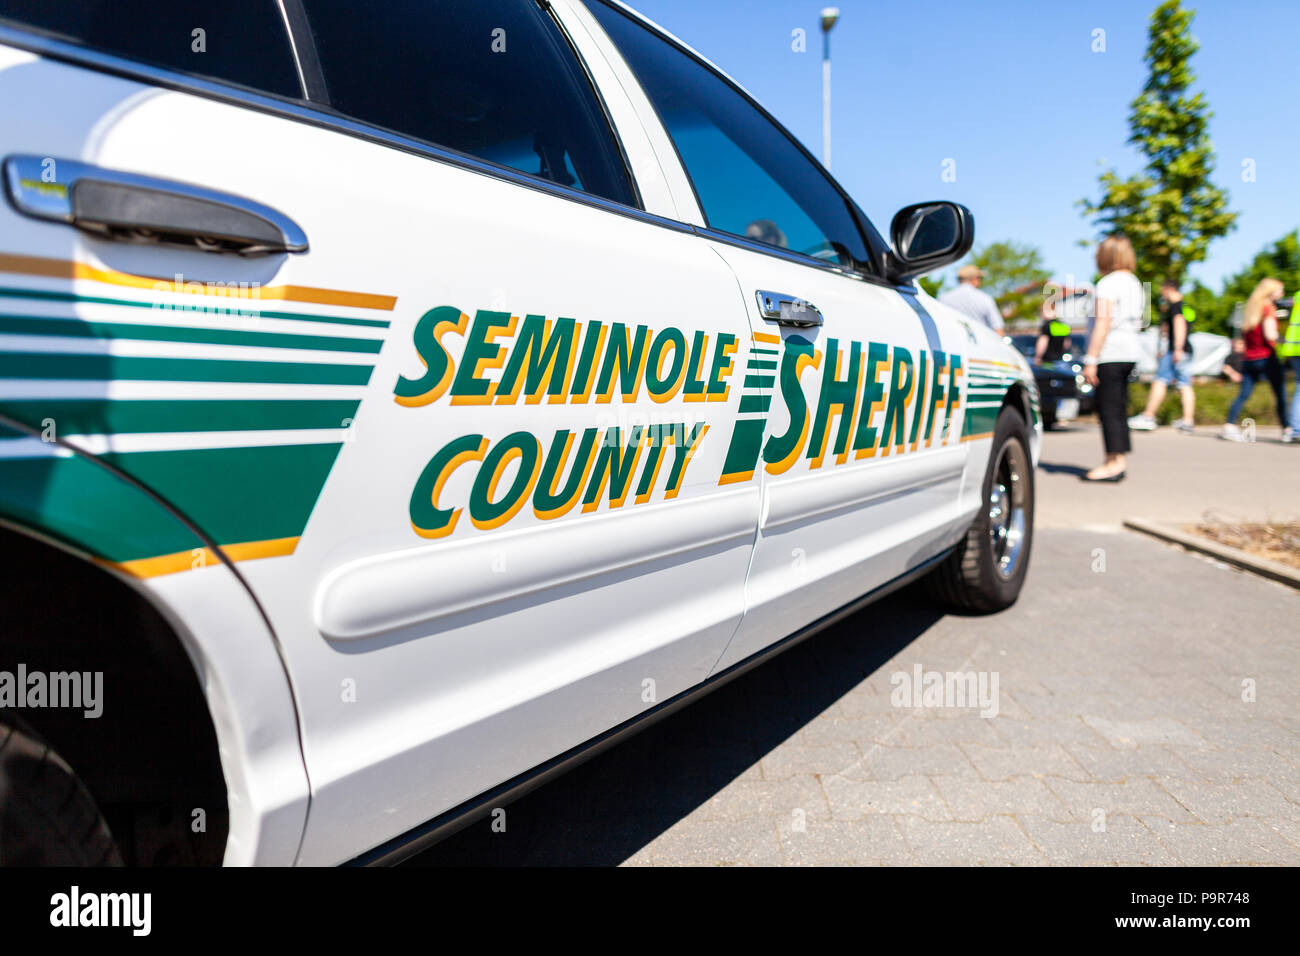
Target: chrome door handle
(125, 206)
(787, 309)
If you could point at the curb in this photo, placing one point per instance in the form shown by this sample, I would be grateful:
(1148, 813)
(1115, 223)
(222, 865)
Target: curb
(1272, 570)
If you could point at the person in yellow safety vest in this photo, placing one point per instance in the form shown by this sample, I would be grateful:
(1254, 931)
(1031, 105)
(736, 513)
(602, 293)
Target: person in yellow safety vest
(1288, 350)
(1053, 336)
(1175, 335)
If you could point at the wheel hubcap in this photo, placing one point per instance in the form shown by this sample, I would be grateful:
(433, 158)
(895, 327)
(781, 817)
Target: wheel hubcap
(1007, 517)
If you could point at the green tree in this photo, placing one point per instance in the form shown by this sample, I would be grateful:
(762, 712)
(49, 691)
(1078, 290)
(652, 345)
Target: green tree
(1279, 260)
(1211, 314)
(1014, 275)
(932, 285)
(1171, 212)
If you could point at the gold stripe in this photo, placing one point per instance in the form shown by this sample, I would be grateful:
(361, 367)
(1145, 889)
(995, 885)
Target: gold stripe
(63, 269)
(767, 337)
(975, 361)
(977, 437)
(204, 557)
(733, 477)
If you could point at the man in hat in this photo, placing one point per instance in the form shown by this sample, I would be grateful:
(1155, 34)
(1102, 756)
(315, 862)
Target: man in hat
(972, 301)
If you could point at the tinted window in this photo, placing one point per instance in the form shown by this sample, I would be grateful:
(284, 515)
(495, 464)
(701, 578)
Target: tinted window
(750, 177)
(242, 41)
(493, 78)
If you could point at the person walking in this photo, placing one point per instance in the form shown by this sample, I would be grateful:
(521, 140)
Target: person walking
(1259, 337)
(1114, 347)
(1175, 334)
(1289, 352)
(972, 301)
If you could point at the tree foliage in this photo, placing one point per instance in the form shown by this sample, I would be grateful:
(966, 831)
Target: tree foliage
(1171, 211)
(1014, 275)
(933, 285)
(1279, 260)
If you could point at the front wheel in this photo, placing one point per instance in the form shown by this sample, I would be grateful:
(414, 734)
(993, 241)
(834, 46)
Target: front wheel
(47, 816)
(987, 569)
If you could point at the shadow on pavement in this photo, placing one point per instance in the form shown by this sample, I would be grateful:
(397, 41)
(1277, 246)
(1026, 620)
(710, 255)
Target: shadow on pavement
(606, 810)
(1054, 469)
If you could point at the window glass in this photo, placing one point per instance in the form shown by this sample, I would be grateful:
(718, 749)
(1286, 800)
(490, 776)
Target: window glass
(241, 41)
(750, 177)
(494, 78)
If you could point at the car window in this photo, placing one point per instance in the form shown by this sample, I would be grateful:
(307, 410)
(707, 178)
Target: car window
(241, 41)
(494, 78)
(750, 177)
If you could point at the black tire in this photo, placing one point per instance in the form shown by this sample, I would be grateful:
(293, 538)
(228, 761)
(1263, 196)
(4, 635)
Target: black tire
(978, 576)
(47, 816)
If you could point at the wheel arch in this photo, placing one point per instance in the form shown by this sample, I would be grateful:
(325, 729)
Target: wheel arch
(142, 738)
(198, 705)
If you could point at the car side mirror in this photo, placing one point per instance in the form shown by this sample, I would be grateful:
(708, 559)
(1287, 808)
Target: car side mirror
(928, 236)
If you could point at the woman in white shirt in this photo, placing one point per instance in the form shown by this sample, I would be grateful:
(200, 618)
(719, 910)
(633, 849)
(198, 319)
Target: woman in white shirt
(1114, 337)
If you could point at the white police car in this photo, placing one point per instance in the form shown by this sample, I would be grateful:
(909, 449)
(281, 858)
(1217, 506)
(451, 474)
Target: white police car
(400, 401)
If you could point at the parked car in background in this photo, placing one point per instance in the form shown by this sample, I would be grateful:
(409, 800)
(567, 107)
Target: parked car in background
(1063, 391)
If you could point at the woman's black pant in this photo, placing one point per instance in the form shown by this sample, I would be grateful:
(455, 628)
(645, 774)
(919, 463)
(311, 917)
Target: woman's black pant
(1112, 405)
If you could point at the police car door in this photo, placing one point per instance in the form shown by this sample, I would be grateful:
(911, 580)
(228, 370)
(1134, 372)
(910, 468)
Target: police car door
(850, 414)
(462, 428)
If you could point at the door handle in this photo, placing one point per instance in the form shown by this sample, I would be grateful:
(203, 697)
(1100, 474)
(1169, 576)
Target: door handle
(133, 208)
(787, 309)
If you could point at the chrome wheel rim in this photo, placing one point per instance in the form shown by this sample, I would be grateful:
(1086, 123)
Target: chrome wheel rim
(1008, 519)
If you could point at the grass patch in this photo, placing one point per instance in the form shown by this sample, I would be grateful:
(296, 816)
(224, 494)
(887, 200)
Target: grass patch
(1213, 400)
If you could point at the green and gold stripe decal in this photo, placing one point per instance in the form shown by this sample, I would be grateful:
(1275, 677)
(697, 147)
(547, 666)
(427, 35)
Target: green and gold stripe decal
(218, 460)
(68, 269)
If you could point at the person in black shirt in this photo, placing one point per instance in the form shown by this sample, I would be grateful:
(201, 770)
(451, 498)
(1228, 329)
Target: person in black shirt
(1053, 336)
(1176, 343)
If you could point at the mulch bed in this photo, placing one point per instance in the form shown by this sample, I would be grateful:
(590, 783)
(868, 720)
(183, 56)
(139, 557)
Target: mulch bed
(1273, 540)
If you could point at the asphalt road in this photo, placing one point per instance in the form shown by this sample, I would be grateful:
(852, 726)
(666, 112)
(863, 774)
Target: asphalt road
(1146, 714)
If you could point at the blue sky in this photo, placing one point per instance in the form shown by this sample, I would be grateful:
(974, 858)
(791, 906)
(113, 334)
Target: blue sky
(1011, 90)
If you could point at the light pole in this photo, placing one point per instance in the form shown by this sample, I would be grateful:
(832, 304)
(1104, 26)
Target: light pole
(829, 17)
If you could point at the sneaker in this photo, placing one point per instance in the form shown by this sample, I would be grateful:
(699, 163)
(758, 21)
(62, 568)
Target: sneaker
(1184, 427)
(1142, 423)
(1288, 435)
(1230, 432)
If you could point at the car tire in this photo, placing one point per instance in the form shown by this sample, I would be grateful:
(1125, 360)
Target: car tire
(47, 816)
(986, 570)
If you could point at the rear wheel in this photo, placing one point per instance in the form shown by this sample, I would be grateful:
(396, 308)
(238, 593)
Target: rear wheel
(47, 816)
(987, 569)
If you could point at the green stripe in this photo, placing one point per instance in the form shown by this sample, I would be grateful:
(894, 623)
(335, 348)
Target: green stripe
(761, 364)
(76, 328)
(762, 351)
(233, 494)
(746, 443)
(237, 494)
(759, 381)
(979, 420)
(130, 368)
(75, 501)
(755, 403)
(135, 416)
(43, 295)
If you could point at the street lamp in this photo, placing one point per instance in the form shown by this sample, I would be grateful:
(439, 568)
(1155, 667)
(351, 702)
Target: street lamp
(830, 15)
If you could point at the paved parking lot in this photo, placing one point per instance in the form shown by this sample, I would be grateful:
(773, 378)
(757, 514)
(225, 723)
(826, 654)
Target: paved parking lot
(1146, 714)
